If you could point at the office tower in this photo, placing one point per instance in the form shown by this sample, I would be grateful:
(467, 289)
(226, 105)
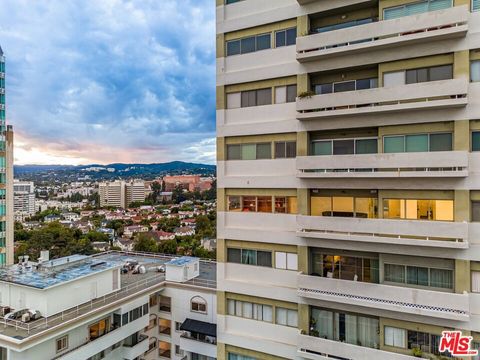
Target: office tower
(135, 191)
(348, 187)
(6, 176)
(24, 199)
(113, 305)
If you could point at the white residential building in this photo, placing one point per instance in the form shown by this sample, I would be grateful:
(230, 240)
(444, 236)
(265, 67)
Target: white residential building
(120, 193)
(101, 307)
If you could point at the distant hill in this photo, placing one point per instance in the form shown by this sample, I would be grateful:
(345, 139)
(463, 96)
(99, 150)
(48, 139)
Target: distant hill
(110, 171)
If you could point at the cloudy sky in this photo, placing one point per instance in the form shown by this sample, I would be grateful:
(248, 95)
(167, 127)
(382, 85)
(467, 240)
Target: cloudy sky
(110, 81)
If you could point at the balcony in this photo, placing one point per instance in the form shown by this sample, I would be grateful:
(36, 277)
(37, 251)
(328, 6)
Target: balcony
(314, 348)
(405, 300)
(395, 165)
(194, 345)
(132, 351)
(441, 234)
(408, 30)
(421, 96)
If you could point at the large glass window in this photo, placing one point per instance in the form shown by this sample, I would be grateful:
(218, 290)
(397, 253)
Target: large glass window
(283, 204)
(250, 310)
(345, 267)
(344, 25)
(475, 211)
(249, 151)
(415, 8)
(286, 317)
(417, 143)
(350, 328)
(434, 73)
(475, 69)
(249, 257)
(349, 85)
(343, 206)
(285, 149)
(395, 337)
(419, 276)
(248, 44)
(344, 146)
(439, 210)
(286, 37)
(256, 97)
(475, 5)
(475, 140)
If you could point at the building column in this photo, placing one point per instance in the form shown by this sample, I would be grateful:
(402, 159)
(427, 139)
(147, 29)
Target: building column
(302, 143)
(462, 276)
(461, 65)
(304, 318)
(221, 200)
(303, 201)
(462, 205)
(303, 25)
(461, 135)
(302, 253)
(303, 83)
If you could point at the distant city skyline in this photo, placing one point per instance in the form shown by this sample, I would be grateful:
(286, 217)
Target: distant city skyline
(110, 81)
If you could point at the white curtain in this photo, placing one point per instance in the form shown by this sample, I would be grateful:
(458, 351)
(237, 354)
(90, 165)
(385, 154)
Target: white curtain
(247, 310)
(281, 316)
(231, 307)
(292, 318)
(351, 325)
(267, 313)
(475, 281)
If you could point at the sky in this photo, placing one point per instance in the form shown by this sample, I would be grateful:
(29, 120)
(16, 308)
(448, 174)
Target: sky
(91, 81)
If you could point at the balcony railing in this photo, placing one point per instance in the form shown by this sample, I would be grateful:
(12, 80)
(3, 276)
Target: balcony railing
(314, 348)
(406, 300)
(421, 96)
(426, 27)
(443, 234)
(421, 164)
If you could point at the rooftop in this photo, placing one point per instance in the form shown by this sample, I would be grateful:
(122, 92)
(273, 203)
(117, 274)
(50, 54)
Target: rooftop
(130, 284)
(182, 261)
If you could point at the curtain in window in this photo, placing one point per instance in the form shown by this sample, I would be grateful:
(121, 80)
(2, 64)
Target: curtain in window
(249, 257)
(395, 273)
(247, 310)
(416, 8)
(395, 337)
(324, 323)
(475, 65)
(476, 5)
(292, 318)
(249, 152)
(368, 332)
(267, 313)
(281, 316)
(351, 325)
(441, 278)
(475, 281)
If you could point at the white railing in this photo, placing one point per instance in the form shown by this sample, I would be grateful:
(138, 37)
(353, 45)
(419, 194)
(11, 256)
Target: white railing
(424, 302)
(441, 163)
(428, 94)
(447, 234)
(83, 309)
(386, 32)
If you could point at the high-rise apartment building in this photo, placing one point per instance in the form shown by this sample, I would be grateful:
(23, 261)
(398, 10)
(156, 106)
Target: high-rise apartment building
(24, 199)
(6, 176)
(348, 177)
(120, 193)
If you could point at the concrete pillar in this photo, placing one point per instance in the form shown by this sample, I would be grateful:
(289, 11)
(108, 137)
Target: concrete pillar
(303, 83)
(461, 65)
(461, 135)
(303, 200)
(302, 252)
(462, 276)
(302, 143)
(462, 205)
(303, 318)
(303, 25)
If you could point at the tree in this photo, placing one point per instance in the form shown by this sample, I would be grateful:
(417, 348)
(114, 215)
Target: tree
(168, 247)
(145, 243)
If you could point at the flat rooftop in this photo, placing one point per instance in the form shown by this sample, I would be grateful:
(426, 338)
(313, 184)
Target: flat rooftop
(130, 284)
(55, 272)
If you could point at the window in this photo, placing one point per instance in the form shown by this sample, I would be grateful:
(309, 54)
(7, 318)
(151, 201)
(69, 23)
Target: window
(344, 146)
(152, 322)
(395, 337)
(476, 141)
(178, 351)
(164, 349)
(475, 211)
(231, 1)
(164, 326)
(434, 73)
(346, 267)
(62, 343)
(177, 326)
(248, 44)
(286, 317)
(418, 143)
(419, 276)
(262, 204)
(125, 319)
(249, 257)
(349, 328)
(394, 78)
(285, 149)
(232, 356)
(99, 329)
(476, 281)
(475, 5)
(249, 151)
(286, 37)
(287, 261)
(285, 205)
(436, 210)
(344, 25)
(285, 94)
(250, 310)
(256, 97)
(153, 300)
(165, 303)
(344, 206)
(350, 85)
(415, 8)
(234, 100)
(198, 304)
